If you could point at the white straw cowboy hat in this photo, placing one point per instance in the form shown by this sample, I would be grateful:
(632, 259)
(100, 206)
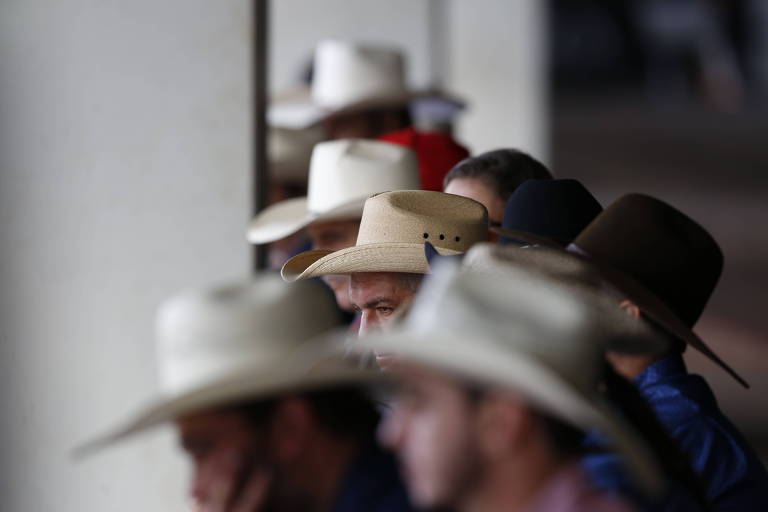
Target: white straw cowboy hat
(516, 332)
(392, 233)
(228, 344)
(342, 175)
(348, 78)
(559, 269)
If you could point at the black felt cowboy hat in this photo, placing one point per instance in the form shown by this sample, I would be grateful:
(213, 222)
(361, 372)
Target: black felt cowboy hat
(547, 212)
(662, 260)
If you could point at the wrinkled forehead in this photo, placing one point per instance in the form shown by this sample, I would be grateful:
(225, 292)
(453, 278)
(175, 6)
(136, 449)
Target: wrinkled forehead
(367, 279)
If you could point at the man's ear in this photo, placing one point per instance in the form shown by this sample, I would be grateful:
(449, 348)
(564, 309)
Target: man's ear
(292, 427)
(631, 308)
(501, 421)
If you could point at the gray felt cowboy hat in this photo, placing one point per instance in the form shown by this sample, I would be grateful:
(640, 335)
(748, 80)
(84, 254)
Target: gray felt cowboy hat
(521, 332)
(227, 344)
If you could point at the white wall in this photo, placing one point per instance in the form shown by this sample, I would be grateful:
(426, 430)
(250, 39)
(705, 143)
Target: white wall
(124, 163)
(499, 62)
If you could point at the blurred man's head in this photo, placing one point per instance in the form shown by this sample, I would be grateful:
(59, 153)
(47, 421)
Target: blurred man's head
(490, 178)
(496, 378)
(265, 409)
(368, 123)
(388, 258)
(453, 437)
(283, 454)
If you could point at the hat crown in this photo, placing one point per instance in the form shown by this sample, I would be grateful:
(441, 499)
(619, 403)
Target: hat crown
(557, 209)
(661, 248)
(290, 152)
(346, 73)
(447, 221)
(347, 170)
(508, 316)
(215, 333)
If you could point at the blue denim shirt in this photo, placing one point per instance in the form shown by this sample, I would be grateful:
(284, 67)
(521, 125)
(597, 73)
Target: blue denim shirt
(736, 479)
(373, 484)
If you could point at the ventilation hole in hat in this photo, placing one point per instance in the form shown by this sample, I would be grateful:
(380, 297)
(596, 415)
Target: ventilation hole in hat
(442, 237)
(457, 238)
(426, 235)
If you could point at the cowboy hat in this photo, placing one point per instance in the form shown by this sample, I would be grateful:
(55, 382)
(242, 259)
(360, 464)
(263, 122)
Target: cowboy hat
(392, 233)
(661, 259)
(559, 269)
(342, 175)
(241, 342)
(290, 152)
(349, 78)
(517, 332)
(547, 212)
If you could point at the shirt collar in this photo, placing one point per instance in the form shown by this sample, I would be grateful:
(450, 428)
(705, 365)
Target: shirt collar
(670, 366)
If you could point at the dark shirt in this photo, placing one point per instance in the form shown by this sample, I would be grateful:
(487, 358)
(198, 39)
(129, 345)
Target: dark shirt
(736, 480)
(373, 484)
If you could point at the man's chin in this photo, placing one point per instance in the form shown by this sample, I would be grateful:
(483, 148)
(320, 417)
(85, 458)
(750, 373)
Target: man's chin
(386, 361)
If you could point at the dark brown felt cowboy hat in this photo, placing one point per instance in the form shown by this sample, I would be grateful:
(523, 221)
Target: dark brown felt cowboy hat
(660, 259)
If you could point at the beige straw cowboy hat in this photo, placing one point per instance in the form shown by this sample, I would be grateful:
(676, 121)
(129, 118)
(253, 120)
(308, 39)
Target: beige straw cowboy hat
(559, 269)
(520, 332)
(228, 344)
(392, 233)
(349, 78)
(342, 175)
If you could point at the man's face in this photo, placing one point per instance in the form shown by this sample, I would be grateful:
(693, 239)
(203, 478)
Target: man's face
(376, 295)
(431, 428)
(222, 446)
(334, 236)
(368, 124)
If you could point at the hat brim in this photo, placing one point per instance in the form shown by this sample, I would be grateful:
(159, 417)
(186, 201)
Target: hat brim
(288, 217)
(481, 361)
(660, 314)
(623, 333)
(253, 383)
(525, 237)
(381, 257)
(297, 111)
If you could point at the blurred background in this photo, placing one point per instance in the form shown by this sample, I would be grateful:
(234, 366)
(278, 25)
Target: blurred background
(126, 165)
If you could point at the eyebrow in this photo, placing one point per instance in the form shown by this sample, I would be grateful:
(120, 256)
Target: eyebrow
(378, 301)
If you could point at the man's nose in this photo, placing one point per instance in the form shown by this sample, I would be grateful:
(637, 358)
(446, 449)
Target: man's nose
(368, 323)
(390, 432)
(198, 491)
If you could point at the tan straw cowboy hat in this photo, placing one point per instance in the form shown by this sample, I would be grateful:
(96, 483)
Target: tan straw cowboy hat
(520, 332)
(392, 233)
(342, 175)
(229, 344)
(349, 78)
